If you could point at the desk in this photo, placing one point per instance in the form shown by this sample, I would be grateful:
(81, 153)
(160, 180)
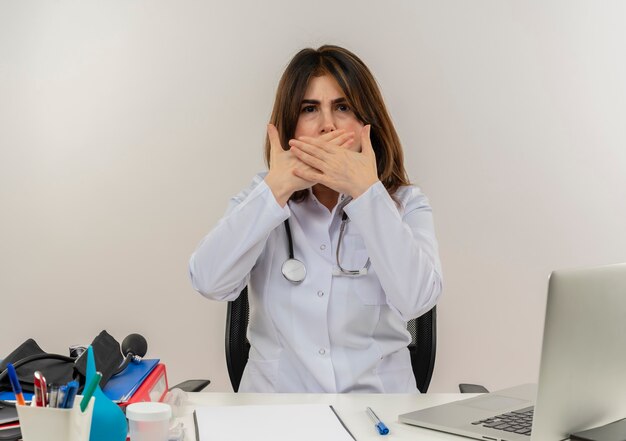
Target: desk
(350, 407)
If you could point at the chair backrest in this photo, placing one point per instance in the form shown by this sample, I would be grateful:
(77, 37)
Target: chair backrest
(237, 344)
(422, 348)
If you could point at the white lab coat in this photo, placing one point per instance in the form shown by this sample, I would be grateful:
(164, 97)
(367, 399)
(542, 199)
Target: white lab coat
(329, 333)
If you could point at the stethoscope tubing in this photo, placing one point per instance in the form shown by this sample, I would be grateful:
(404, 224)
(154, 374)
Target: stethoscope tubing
(294, 270)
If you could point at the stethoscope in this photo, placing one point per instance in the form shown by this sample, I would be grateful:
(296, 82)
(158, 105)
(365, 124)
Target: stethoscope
(295, 271)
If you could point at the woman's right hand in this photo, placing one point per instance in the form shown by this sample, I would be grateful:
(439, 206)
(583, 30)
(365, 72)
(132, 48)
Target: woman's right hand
(281, 179)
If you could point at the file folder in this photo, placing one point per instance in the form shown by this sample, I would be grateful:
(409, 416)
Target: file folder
(123, 385)
(153, 388)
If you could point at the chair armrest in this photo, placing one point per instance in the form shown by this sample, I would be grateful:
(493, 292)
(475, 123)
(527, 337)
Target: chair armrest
(472, 389)
(192, 385)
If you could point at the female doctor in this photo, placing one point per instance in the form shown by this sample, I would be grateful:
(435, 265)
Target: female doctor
(336, 246)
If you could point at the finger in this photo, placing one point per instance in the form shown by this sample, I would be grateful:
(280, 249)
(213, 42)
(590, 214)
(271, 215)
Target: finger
(272, 133)
(313, 175)
(314, 142)
(338, 140)
(332, 135)
(347, 144)
(342, 139)
(309, 174)
(311, 149)
(308, 159)
(366, 143)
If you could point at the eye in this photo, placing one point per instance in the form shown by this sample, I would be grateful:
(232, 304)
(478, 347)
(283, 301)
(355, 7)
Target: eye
(308, 109)
(343, 107)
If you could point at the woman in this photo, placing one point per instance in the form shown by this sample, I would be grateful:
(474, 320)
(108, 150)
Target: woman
(334, 320)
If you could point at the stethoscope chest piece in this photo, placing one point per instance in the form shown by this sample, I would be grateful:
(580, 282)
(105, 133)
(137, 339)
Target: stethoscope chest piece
(293, 270)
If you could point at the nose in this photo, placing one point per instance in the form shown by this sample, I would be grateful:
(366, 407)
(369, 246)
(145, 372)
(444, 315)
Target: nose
(327, 123)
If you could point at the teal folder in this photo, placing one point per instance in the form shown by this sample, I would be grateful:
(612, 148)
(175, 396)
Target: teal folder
(122, 386)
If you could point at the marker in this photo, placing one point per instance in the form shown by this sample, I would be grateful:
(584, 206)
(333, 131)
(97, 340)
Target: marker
(89, 390)
(41, 394)
(15, 384)
(380, 426)
(70, 395)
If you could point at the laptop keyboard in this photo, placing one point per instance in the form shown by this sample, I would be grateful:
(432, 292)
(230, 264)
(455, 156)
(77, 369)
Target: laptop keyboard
(518, 421)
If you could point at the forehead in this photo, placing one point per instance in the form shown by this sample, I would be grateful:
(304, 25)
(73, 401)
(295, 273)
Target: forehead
(323, 86)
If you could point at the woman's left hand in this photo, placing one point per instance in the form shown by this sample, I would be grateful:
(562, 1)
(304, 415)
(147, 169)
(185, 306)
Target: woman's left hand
(340, 168)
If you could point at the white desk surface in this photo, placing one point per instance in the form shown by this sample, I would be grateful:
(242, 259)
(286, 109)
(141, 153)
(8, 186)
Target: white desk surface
(350, 407)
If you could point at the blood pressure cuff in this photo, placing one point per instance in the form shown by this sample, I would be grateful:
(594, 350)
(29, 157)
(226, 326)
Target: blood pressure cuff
(107, 355)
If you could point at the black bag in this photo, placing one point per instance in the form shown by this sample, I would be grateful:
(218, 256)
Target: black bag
(59, 369)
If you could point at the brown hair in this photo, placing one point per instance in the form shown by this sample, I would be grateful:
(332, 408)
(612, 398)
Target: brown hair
(360, 88)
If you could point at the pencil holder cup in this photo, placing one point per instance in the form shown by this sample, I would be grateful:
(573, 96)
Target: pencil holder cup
(54, 424)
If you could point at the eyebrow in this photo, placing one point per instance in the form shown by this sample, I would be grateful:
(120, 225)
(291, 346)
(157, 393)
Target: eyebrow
(335, 101)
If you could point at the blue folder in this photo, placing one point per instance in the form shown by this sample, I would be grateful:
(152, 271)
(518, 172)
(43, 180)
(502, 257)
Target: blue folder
(121, 387)
(10, 396)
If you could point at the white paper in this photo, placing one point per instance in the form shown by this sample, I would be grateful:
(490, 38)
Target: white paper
(302, 422)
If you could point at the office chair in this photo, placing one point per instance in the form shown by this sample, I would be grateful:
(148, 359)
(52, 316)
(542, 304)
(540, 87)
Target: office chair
(422, 348)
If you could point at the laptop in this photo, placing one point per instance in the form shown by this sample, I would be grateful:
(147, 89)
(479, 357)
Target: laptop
(582, 375)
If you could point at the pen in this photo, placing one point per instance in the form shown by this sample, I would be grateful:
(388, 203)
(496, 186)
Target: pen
(380, 426)
(53, 395)
(40, 390)
(61, 396)
(89, 390)
(15, 384)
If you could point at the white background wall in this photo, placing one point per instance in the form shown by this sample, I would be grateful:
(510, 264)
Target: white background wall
(125, 126)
